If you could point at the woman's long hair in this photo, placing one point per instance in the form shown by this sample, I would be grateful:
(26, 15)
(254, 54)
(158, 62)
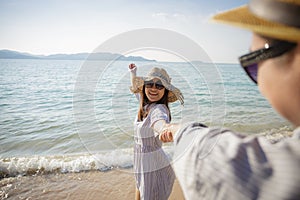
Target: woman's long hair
(142, 114)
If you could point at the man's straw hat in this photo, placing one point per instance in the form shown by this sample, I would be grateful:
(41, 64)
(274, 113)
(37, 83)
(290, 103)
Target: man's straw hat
(162, 75)
(279, 19)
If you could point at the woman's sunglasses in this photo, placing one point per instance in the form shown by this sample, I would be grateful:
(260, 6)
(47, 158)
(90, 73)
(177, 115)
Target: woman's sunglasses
(158, 85)
(250, 61)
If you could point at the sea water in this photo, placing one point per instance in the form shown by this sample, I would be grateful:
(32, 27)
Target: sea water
(71, 116)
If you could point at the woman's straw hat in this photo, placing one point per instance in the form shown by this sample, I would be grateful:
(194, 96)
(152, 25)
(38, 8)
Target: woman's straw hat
(278, 19)
(162, 75)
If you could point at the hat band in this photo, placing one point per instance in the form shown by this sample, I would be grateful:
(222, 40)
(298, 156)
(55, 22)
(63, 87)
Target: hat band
(276, 11)
(160, 76)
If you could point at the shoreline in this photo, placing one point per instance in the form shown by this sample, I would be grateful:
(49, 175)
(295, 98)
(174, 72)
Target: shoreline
(113, 184)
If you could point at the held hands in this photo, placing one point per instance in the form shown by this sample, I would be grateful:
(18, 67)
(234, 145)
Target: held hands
(166, 136)
(168, 132)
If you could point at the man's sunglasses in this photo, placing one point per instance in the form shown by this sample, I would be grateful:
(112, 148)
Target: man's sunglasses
(250, 61)
(158, 85)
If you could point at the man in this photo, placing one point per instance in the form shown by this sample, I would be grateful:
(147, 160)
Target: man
(220, 164)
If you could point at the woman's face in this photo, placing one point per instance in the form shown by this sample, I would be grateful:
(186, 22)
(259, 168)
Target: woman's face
(154, 90)
(279, 81)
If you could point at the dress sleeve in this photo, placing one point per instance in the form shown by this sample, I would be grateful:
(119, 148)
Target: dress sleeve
(158, 113)
(213, 163)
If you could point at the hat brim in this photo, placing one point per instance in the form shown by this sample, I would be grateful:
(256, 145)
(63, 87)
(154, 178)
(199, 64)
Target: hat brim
(243, 18)
(174, 93)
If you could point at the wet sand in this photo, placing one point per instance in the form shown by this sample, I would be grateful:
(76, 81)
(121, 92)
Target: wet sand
(114, 184)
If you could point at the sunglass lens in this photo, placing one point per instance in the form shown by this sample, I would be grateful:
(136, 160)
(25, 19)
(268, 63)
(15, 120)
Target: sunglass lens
(149, 84)
(159, 86)
(251, 70)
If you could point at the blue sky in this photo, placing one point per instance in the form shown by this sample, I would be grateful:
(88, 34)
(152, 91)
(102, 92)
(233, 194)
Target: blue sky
(73, 26)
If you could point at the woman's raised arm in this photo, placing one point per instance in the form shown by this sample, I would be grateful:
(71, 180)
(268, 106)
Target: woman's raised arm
(132, 68)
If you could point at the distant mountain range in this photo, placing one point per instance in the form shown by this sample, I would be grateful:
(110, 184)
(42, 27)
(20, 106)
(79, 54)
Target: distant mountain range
(8, 54)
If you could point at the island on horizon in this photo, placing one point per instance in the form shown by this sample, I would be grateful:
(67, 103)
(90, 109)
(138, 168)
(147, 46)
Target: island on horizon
(9, 54)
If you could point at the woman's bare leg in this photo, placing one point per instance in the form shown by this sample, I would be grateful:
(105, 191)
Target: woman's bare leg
(137, 194)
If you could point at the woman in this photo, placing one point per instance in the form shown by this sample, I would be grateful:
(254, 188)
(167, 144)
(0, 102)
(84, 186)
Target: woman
(153, 174)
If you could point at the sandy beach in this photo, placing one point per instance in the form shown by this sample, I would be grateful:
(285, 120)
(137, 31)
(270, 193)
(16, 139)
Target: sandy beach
(114, 184)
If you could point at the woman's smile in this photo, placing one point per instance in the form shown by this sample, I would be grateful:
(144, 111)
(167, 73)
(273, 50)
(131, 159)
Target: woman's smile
(153, 93)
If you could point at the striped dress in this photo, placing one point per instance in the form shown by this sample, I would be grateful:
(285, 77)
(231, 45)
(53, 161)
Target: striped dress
(153, 173)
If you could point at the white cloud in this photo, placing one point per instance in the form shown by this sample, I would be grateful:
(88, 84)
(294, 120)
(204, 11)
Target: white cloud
(166, 17)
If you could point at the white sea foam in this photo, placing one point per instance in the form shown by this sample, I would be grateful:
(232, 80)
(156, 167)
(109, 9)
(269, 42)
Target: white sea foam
(66, 163)
(32, 165)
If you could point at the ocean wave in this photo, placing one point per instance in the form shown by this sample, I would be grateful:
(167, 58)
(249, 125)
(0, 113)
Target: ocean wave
(69, 163)
(277, 134)
(34, 165)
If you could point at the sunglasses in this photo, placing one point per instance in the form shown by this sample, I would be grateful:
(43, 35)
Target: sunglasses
(250, 61)
(158, 85)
